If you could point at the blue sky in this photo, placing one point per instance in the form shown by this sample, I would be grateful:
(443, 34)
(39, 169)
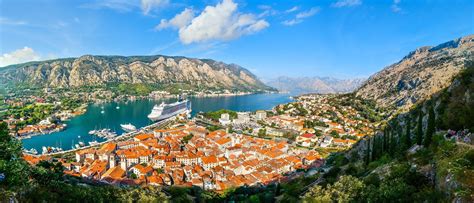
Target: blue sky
(339, 38)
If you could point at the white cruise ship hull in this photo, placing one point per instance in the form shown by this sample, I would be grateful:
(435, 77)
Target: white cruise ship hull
(164, 112)
(165, 116)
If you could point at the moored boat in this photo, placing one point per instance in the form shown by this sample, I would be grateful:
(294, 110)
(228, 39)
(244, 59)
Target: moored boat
(128, 127)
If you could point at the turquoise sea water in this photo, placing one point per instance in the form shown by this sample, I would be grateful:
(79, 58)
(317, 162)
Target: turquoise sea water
(135, 112)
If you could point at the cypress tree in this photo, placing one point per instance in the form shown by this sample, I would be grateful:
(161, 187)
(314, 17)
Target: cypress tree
(367, 152)
(419, 128)
(374, 149)
(379, 146)
(430, 130)
(390, 142)
(400, 143)
(384, 136)
(407, 139)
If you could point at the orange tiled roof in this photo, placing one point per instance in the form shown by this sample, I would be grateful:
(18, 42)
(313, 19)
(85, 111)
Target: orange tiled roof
(114, 173)
(209, 160)
(107, 148)
(142, 137)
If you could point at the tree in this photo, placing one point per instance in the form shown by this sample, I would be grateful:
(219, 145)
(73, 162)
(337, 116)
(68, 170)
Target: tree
(12, 166)
(262, 132)
(367, 152)
(407, 136)
(419, 128)
(385, 140)
(430, 130)
(346, 189)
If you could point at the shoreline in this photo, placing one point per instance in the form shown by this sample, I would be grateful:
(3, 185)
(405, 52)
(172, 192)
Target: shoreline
(64, 126)
(145, 98)
(78, 112)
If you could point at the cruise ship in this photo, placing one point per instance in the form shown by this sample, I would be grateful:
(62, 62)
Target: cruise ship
(164, 111)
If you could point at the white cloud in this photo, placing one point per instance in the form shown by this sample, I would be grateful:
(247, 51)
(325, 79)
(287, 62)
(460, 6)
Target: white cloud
(180, 20)
(265, 7)
(291, 22)
(148, 5)
(309, 13)
(295, 8)
(267, 11)
(346, 3)
(219, 22)
(6, 21)
(117, 5)
(300, 16)
(395, 7)
(19, 56)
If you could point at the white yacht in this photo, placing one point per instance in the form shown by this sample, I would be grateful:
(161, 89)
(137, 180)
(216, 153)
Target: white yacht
(128, 127)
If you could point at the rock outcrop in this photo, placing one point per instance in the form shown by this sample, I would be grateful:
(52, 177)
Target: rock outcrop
(420, 74)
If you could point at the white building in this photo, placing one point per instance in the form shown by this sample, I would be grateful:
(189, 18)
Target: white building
(260, 115)
(242, 117)
(326, 141)
(225, 119)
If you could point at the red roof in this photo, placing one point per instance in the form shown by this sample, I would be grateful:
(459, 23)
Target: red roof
(307, 135)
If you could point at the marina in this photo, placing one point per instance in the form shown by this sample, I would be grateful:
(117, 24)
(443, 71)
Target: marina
(136, 112)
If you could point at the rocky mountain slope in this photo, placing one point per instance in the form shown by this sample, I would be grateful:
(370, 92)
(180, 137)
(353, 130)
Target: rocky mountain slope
(423, 72)
(98, 70)
(315, 84)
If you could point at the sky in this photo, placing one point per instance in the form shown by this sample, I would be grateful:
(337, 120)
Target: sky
(338, 38)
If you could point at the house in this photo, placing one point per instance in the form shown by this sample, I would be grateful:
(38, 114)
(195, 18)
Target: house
(327, 140)
(209, 162)
(224, 142)
(106, 151)
(260, 115)
(307, 139)
(95, 170)
(113, 175)
(142, 137)
(142, 170)
(154, 179)
(85, 154)
(197, 131)
(311, 158)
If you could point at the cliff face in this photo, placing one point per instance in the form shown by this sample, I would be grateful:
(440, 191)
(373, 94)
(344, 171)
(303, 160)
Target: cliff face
(423, 72)
(99, 70)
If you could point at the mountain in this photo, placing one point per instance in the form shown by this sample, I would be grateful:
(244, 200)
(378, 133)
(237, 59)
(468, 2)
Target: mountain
(420, 74)
(315, 84)
(91, 70)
